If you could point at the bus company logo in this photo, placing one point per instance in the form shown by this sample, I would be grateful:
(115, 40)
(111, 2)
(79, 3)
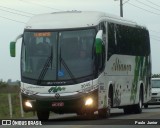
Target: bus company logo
(56, 89)
(118, 66)
(57, 95)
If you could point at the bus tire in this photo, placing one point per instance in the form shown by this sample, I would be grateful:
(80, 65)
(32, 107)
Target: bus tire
(138, 107)
(80, 113)
(145, 106)
(90, 114)
(105, 112)
(127, 110)
(43, 115)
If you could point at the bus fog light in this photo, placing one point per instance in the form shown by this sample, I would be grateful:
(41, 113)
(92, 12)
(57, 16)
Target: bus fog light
(28, 104)
(89, 101)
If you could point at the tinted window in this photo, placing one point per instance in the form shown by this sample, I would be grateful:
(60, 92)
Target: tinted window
(127, 40)
(58, 56)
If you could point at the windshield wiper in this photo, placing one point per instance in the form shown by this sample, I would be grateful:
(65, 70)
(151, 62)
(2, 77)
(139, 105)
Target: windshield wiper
(68, 70)
(45, 68)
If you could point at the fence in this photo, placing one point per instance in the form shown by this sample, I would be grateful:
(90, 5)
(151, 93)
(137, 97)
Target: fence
(11, 106)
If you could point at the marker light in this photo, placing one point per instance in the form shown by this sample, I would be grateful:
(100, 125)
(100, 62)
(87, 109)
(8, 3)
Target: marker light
(28, 104)
(89, 101)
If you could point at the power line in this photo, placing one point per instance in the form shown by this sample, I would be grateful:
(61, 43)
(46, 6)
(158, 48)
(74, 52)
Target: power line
(29, 2)
(147, 5)
(125, 1)
(17, 10)
(155, 38)
(154, 31)
(143, 9)
(153, 3)
(15, 13)
(12, 20)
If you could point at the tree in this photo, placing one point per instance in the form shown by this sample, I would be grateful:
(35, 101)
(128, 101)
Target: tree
(155, 75)
(3, 84)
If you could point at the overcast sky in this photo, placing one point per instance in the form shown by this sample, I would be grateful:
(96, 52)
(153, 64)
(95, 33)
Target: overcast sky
(15, 13)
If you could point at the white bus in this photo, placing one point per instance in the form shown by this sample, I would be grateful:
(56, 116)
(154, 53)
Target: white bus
(83, 62)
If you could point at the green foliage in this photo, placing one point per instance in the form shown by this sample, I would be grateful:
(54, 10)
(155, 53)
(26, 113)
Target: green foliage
(155, 75)
(4, 107)
(6, 88)
(3, 84)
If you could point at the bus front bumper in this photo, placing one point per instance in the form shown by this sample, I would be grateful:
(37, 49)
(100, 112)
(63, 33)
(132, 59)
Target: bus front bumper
(69, 104)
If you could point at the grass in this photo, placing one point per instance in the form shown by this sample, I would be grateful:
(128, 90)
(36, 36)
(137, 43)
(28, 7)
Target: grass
(4, 107)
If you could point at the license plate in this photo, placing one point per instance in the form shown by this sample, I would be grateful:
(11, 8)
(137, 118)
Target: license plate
(57, 104)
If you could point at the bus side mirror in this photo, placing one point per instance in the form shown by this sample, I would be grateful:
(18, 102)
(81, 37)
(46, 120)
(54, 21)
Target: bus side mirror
(98, 42)
(13, 46)
(12, 49)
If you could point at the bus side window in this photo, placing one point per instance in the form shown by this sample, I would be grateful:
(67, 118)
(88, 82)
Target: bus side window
(111, 40)
(102, 26)
(103, 56)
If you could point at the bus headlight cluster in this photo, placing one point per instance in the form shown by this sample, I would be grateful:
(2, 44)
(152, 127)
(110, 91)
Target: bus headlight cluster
(28, 104)
(89, 101)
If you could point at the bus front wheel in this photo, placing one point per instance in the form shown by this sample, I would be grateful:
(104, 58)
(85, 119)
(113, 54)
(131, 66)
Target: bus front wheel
(105, 112)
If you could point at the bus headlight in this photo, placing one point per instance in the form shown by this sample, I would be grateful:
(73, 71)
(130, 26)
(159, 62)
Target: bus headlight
(28, 104)
(89, 101)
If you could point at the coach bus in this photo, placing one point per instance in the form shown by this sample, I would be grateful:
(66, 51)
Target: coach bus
(83, 62)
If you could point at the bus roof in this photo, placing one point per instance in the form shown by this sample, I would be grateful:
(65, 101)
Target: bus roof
(73, 19)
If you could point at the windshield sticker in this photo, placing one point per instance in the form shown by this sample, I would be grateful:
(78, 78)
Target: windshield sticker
(60, 73)
(56, 89)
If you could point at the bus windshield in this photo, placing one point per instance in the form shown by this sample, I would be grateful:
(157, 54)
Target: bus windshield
(155, 83)
(57, 56)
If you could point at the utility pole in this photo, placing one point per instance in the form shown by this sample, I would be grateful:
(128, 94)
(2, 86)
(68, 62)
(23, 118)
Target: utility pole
(121, 8)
